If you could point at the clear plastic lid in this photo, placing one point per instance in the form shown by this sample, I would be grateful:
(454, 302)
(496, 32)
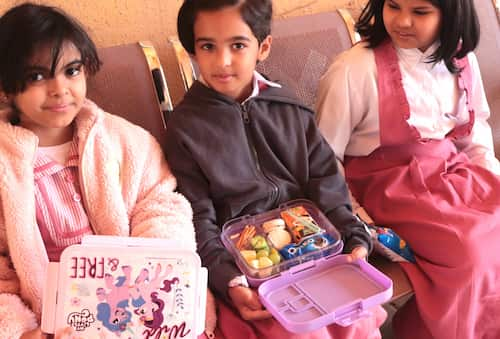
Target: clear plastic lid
(266, 244)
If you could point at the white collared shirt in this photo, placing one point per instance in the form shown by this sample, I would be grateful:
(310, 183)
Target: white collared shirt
(257, 78)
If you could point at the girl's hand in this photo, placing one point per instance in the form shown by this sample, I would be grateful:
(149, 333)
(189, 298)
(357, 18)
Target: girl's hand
(247, 303)
(359, 252)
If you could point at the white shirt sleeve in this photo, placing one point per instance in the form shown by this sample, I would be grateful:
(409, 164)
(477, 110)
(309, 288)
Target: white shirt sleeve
(479, 144)
(347, 103)
(347, 106)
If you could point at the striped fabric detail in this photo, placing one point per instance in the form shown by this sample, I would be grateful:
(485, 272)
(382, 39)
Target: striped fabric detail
(60, 212)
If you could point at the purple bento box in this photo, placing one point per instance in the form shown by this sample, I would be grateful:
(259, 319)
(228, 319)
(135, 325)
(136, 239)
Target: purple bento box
(314, 289)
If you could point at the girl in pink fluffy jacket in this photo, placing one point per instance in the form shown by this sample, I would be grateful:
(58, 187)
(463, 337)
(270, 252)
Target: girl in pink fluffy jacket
(67, 169)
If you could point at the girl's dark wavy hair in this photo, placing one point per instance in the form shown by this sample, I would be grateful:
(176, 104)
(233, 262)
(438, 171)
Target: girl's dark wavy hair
(257, 14)
(459, 32)
(25, 29)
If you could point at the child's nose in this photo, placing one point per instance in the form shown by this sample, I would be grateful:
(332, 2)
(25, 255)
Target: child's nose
(225, 57)
(58, 86)
(404, 20)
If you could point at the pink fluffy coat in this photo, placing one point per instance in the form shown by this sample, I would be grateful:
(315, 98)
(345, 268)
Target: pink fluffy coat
(127, 189)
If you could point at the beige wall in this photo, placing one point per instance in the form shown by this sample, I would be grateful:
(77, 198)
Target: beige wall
(112, 22)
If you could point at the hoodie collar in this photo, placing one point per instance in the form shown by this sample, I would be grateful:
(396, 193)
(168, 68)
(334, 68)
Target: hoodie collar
(258, 83)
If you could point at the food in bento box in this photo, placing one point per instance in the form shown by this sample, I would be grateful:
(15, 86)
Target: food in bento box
(265, 243)
(255, 250)
(245, 236)
(279, 238)
(248, 255)
(262, 258)
(300, 223)
(273, 224)
(274, 256)
(259, 242)
(310, 244)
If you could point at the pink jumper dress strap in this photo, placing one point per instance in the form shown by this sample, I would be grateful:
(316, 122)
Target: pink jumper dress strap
(389, 81)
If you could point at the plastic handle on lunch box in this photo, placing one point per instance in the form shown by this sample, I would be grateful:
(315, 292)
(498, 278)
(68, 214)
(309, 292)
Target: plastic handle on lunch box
(352, 316)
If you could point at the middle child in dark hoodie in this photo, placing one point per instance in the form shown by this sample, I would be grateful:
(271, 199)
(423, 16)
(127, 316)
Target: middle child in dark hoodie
(239, 144)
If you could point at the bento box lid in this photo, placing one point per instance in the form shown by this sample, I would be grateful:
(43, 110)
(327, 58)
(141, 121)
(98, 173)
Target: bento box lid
(109, 286)
(325, 291)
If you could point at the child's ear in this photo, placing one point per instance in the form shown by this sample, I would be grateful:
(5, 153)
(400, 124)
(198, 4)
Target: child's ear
(264, 48)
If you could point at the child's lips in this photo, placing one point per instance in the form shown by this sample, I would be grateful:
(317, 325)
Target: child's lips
(223, 77)
(404, 35)
(58, 107)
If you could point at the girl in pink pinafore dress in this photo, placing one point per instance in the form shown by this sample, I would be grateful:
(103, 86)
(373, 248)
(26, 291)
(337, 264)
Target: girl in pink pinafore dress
(410, 127)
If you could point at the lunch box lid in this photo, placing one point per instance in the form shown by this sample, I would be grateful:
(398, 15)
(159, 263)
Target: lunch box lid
(85, 283)
(325, 291)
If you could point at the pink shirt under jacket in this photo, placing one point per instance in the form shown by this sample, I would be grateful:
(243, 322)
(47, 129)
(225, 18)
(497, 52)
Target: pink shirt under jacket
(127, 189)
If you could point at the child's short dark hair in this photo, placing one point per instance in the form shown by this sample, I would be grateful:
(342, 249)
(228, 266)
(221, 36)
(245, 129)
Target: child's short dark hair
(459, 33)
(257, 14)
(28, 27)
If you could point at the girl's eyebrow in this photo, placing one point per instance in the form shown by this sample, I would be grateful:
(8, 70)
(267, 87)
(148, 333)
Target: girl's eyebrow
(46, 69)
(202, 39)
(37, 68)
(240, 37)
(422, 9)
(76, 61)
(425, 5)
(234, 38)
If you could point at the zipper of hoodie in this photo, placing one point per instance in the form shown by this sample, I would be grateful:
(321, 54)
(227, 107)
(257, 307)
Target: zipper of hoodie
(253, 150)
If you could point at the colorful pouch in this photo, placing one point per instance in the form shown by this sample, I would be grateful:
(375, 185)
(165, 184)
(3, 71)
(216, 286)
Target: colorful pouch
(390, 245)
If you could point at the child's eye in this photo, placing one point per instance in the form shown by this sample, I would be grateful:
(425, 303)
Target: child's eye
(73, 71)
(207, 47)
(35, 77)
(239, 45)
(420, 12)
(392, 5)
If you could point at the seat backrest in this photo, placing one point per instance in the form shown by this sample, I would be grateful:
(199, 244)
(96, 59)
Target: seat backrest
(131, 84)
(302, 49)
(488, 54)
(187, 68)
